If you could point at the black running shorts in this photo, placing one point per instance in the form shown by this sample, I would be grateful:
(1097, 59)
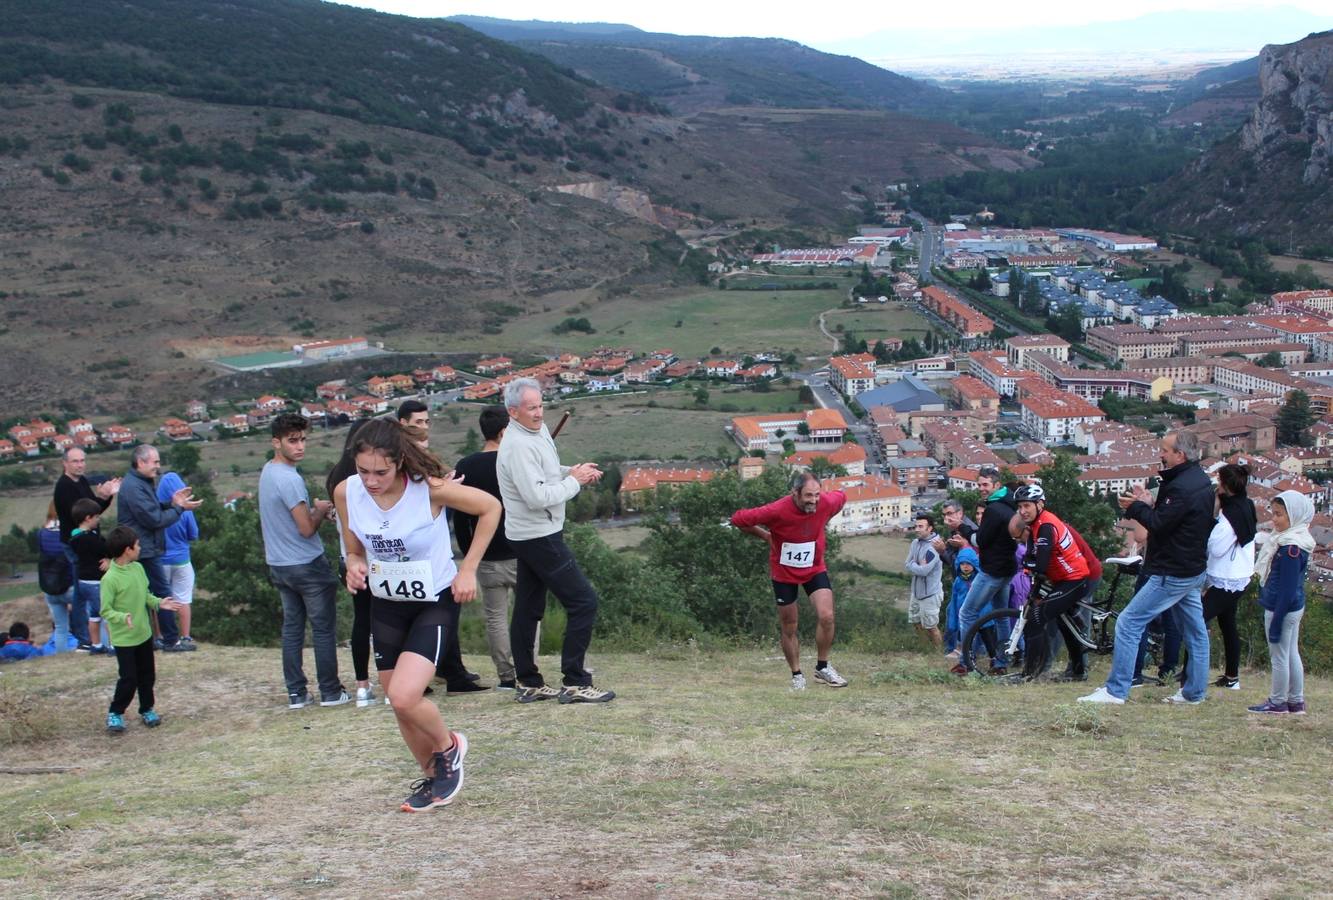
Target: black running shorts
(421, 628)
(786, 593)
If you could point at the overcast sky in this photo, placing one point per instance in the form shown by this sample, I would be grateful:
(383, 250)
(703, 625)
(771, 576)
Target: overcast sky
(813, 23)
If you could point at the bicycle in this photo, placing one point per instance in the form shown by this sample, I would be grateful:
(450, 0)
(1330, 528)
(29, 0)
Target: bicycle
(1099, 638)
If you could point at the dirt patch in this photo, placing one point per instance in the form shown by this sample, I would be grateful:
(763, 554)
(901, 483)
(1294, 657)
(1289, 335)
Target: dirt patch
(235, 345)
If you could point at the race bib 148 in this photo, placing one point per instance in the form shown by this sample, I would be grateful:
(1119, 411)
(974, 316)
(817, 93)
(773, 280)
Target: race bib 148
(405, 581)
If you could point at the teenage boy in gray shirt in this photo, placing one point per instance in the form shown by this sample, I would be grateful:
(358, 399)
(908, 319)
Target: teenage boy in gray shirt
(297, 565)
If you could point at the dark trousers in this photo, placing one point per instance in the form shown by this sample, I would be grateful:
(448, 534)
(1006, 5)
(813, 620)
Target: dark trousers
(137, 673)
(547, 563)
(1061, 598)
(309, 591)
(360, 627)
(1172, 640)
(361, 635)
(159, 585)
(450, 668)
(1221, 605)
(1081, 615)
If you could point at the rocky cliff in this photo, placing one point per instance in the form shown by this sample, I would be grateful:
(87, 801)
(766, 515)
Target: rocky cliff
(1295, 110)
(1272, 178)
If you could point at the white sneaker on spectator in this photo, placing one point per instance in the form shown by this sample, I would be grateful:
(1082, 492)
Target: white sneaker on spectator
(1102, 695)
(1178, 698)
(365, 696)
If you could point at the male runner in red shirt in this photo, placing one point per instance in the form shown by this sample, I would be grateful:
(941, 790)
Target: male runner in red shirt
(793, 526)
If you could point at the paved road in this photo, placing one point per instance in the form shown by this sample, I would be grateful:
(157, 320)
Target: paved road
(829, 398)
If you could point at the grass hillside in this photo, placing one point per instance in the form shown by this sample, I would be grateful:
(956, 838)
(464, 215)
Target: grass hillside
(706, 777)
(193, 178)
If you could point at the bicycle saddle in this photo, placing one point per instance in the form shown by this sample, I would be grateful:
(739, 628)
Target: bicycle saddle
(1124, 560)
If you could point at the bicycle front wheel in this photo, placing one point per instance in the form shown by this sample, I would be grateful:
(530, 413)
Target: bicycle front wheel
(997, 620)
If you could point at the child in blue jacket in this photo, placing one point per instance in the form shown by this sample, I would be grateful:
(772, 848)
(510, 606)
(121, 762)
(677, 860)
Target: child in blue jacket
(965, 567)
(18, 645)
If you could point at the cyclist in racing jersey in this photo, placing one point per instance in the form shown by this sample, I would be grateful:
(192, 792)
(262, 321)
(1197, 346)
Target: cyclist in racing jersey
(793, 527)
(1060, 579)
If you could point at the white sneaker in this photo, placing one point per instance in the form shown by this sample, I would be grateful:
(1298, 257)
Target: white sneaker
(365, 697)
(830, 676)
(1178, 698)
(1102, 695)
(798, 682)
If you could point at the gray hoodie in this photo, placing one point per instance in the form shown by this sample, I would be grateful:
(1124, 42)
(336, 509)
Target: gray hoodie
(926, 568)
(533, 485)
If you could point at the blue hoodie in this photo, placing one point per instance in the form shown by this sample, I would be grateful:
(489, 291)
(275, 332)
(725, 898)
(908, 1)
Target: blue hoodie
(961, 586)
(184, 530)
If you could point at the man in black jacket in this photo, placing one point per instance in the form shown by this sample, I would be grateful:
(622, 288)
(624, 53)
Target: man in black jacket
(990, 588)
(1178, 525)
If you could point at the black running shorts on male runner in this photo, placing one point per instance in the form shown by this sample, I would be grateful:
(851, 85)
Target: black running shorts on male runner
(421, 628)
(786, 593)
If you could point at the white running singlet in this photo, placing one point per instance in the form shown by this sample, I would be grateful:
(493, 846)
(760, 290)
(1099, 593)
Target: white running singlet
(408, 552)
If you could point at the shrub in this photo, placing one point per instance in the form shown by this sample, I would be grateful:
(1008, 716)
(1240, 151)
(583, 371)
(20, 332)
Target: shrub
(24, 719)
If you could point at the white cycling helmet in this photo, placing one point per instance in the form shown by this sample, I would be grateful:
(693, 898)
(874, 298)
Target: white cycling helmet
(1029, 493)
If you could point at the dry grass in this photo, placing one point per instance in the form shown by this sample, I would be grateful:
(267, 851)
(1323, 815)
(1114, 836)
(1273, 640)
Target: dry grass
(705, 778)
(886, 552)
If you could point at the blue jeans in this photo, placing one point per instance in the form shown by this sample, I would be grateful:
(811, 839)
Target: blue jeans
(159, 585)
(309, 591)
(59, 607)
(1159, 594)
(89, 594)
(986, 593)
(78, 606)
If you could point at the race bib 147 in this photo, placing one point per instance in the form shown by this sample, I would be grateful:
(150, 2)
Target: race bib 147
(797, 556)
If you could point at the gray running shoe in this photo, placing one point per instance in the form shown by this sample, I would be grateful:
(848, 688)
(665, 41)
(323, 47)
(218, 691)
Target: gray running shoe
(798, 682)
(337, 700)
(533, 694)
(585, 693)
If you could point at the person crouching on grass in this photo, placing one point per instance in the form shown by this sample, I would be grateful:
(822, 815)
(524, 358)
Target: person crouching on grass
(125, 601)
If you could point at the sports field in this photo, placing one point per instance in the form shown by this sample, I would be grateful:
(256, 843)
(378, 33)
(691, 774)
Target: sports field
(691, 324)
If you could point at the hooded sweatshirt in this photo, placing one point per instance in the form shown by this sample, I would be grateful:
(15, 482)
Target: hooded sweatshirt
(179, 535)
(994, 543)
(1282, 562)
(926, 568)
(961, 585)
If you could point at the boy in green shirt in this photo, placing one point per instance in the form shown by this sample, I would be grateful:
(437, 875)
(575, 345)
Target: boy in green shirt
(125, 603)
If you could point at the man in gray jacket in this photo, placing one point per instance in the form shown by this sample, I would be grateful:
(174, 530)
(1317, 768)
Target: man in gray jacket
(923, 562)
(141, 510)
(535, 488)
